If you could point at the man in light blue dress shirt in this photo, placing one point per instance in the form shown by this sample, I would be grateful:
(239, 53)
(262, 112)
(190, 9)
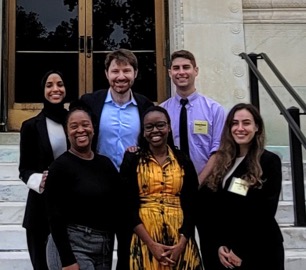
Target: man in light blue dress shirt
(117, 110)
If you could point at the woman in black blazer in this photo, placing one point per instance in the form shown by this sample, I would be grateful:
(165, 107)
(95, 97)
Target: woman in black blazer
(42, 139)
(244, 189)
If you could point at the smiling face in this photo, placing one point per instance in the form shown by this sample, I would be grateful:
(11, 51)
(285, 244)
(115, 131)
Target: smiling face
(183, 75)
(120, 76)
(157, 121)
(55, 90)
(243, 129)
(80, 131)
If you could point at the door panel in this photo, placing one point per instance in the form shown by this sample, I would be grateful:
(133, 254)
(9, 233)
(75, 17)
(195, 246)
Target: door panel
(45, 39)
(131, 25)
(74, 37)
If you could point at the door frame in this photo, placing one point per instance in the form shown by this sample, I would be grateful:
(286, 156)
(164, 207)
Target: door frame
(18, 112)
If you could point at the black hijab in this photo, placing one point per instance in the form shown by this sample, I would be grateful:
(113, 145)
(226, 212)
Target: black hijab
(55, 112)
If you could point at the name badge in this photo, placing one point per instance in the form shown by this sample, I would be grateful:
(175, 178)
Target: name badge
(200, 127)
(239, 186)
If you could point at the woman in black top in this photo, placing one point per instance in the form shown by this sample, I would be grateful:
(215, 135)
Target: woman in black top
(82, 192)
(42, 139)
(244, 188)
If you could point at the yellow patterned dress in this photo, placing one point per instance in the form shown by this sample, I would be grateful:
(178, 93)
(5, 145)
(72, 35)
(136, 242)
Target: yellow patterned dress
(161, 214)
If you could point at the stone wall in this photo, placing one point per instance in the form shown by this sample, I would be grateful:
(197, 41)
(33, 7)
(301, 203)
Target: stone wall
(278, 28)
(216, 31)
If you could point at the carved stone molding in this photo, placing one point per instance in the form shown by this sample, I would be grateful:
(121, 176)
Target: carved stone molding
(178, 24)
(274, 11)
(273, 16)
(268, 4)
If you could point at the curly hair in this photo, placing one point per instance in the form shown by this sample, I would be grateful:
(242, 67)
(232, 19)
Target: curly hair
(229, 150)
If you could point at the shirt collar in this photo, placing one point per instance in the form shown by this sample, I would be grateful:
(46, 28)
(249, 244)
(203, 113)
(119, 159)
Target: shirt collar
(170, 158)
(109, 98)
(190, 98)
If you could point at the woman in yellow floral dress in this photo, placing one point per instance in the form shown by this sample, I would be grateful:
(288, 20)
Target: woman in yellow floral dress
(161, 186)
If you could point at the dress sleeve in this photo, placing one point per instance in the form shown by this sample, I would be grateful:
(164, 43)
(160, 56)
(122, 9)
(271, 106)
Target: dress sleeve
(128, 173)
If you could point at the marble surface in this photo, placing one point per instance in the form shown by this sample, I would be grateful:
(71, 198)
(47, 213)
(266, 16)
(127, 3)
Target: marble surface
(216, 33)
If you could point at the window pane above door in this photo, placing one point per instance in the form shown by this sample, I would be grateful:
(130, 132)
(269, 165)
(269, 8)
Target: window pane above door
(128, 24)
(46, 25)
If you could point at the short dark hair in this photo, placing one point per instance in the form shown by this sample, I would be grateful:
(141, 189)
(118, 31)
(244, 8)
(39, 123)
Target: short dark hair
(142, 142)
(144, 145)
(121, 56)
(79, 105)
(183, 54)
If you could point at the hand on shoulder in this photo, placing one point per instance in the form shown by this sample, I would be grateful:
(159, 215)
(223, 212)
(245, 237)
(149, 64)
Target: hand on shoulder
(132, 149)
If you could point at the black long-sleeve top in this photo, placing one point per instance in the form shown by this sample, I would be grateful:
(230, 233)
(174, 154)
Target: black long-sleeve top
(83, 192)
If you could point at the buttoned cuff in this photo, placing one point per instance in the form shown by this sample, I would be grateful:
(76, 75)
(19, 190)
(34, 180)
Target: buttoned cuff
(34, 182)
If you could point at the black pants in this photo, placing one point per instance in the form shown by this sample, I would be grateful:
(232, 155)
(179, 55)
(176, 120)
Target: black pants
(37, 241)
(124, 238)
(209, 248)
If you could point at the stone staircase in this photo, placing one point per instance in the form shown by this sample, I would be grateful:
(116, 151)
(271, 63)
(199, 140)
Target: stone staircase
(13, 193)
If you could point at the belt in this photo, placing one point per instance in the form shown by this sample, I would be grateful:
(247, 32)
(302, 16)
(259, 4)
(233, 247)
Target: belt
(88, 230)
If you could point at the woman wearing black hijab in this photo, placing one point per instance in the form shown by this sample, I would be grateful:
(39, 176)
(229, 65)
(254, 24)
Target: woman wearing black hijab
(42, 139)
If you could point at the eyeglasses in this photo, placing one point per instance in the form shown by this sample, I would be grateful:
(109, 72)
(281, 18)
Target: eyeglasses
(159, 125)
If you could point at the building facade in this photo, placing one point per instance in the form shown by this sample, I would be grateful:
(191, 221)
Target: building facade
(216, 31)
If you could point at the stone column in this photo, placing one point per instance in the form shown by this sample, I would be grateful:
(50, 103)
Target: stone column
(213, 31)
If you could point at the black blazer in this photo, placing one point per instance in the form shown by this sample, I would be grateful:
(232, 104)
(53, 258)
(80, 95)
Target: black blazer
(247, 224)
(35, 156)
(95, 101)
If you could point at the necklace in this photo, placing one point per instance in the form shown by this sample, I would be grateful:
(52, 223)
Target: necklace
(85, 156)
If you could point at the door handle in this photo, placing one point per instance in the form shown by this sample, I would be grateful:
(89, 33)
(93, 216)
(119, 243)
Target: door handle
(81, 44)
(89, 42)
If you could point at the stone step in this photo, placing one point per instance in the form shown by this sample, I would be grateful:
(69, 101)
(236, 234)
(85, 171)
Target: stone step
(17, 257)
(12, 212)
(295, 259)
(13, 191)
(20, 260)
(294, 237)
(286, 194)
(12, 237)
(9, 138)
(9, 171)
(9, 153)
(285, 212)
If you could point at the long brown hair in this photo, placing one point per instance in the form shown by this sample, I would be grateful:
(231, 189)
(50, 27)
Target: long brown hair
(229, 150)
